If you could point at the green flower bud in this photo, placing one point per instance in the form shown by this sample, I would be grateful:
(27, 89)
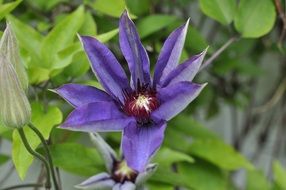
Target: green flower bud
(9, 48)
(15, 109)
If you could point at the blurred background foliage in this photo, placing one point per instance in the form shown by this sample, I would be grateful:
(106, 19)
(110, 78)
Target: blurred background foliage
(220, 141)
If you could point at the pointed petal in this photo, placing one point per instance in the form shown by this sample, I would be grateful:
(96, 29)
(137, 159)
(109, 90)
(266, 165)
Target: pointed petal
(133, 51)
(106, 67)
(144, 176)
(175, 98)
(170, 54)
(97, 117)
(78, 95)
(185, 71)
(99, 181)
(140, 143)
(125, 186)
(107, 153)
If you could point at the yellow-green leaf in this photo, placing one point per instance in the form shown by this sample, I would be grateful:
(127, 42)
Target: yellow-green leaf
(44, 120)
(220, 154)
(8, 7)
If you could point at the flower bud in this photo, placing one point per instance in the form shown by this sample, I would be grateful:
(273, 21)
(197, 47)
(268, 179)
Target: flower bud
(15, 109)
(9, 49)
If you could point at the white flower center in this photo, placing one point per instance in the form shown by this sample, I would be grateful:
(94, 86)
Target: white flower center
(143, 102)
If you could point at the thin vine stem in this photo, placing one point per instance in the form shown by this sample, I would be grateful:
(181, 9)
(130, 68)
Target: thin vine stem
(48, 154)
(218, 52)
(37, 155)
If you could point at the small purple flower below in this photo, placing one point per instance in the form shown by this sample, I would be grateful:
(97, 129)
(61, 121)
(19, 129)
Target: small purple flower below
(119, 176)
(142, 107)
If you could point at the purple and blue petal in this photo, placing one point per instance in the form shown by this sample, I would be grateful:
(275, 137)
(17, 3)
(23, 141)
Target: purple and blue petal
(174, 99)
(78, 95)
(139, 143)
(133, 51)
(125, 186)
(170, 54)
(185, 71)
(107, 153)
(99, 181)
(106, 67)
(97, 117)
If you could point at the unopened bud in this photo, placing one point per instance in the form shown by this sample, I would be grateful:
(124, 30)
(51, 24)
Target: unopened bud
(15, 109)
(9, 49)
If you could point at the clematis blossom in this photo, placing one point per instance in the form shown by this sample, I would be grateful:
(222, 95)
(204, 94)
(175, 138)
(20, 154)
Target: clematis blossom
(139, 108)
(118, 176)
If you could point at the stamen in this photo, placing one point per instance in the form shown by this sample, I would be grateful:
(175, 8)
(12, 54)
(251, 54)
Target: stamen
(141, 103)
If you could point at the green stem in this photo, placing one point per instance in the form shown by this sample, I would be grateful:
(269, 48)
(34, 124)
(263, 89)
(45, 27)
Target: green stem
(47, 151)
(37, 155)
(23, 186)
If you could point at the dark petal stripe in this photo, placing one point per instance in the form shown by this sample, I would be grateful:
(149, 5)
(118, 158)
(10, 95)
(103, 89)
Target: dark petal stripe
(79, 95)
(133, 51)
(106, 67)
(170, 54)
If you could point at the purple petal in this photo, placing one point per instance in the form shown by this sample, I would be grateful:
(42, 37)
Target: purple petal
(107, 153)
(170, 54)
(175, 98)
(99, 181)
(125, 186)
(106, 67)
(97, 117)
(185, 71)
(78, 95)
(140, 143)
(133, 51)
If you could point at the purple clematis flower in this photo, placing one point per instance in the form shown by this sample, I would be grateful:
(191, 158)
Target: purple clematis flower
(142, 107)
(118, 176)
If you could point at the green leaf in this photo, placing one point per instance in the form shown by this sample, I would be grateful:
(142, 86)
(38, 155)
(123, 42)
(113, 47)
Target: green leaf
(78, 67)
(89, 26)
(256, 180)
(279, 175)
(167, 177)
(221, 10)
(195, 41)
(220, 154)
(255, 18)
(61, 36)
(3, 159)
(153, 23)
(44, 120)
(166, 157)
(159, 186)
(77, 159)
(3, 129)
(203, 176)
(109, 7)
(138, 7)
(8, 7)
(28, 37)
(38, 75)
(188, 126)
(107, 36)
